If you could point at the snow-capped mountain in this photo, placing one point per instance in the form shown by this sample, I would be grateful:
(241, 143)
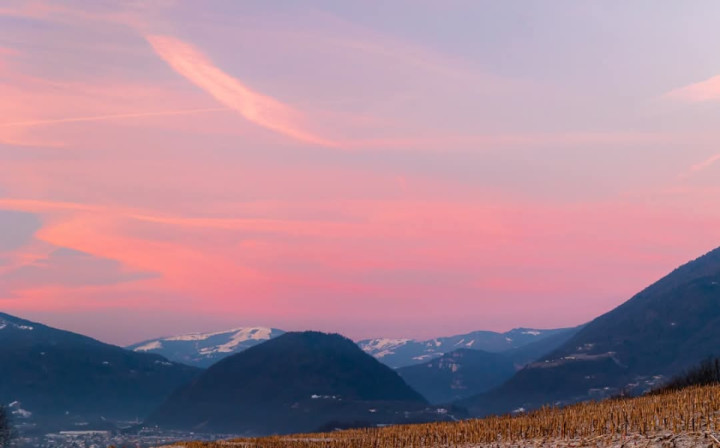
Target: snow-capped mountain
(404, 352)
(204, 349)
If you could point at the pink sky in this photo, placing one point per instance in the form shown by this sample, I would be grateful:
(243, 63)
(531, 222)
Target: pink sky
(408, 168)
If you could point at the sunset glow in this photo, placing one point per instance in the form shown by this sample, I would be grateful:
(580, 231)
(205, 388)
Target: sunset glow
(337, 167)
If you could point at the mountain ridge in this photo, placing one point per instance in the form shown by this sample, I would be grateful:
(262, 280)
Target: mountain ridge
(56, 375)
(667, 327)
(204, 349)
(465, 372)
(403, 352)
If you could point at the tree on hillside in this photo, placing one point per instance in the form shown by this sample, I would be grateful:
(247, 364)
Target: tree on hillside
(6, 431)
(705, 374)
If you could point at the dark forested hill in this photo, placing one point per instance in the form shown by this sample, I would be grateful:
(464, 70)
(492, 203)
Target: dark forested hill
(296, 382)
(56, 375)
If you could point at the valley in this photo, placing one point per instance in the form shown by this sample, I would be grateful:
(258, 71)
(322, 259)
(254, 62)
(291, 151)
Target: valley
(273, 382)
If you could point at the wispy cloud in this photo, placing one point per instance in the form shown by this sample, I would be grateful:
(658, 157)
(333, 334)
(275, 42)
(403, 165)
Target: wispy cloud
(31, 123)
(129, 14)
(256, 107)
(149, 216)
(706, 164)
(73, 268)
(698, 167)
(708, 90)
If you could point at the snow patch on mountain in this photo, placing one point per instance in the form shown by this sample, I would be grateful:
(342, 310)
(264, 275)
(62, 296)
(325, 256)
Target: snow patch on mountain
(150, 346)
(239, 336)
(17, 411)
(203, 349)
(383, 346)
(7, 324)
(404, 352)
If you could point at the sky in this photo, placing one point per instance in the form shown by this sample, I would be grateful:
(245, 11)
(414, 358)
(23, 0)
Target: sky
(405, 168)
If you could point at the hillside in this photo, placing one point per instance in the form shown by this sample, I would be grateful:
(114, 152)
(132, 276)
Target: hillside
(465, 372)
(668, 327)
(458, 374)
(205, 349)
(525, 354)
(296, 382)
(56, 375)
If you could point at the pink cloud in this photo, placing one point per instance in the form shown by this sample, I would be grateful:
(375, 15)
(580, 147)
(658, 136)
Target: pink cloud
(110, 117)
(28, 9)
(698, 167)
(708, 90)
(38, 112)
(470, 255)
(255, 107)
(706, 163)
(130, 14)
(70, 268)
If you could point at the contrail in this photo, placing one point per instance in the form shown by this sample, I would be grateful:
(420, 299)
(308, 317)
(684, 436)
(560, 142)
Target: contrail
(110, 117)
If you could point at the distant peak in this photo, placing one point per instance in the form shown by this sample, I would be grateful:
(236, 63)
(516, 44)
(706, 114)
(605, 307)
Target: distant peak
(257, 333)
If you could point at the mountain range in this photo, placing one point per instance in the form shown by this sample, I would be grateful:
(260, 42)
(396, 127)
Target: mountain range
(264, 381)
(405, 352)
(466, 372)
(204, 349)
(54, 376)
(297, 382)
(663, 330)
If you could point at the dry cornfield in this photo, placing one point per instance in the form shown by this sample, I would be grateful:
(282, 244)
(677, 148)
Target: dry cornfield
(693, 410)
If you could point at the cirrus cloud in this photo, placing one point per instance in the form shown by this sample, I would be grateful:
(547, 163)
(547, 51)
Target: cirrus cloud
(255, 107)
(708, 90)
